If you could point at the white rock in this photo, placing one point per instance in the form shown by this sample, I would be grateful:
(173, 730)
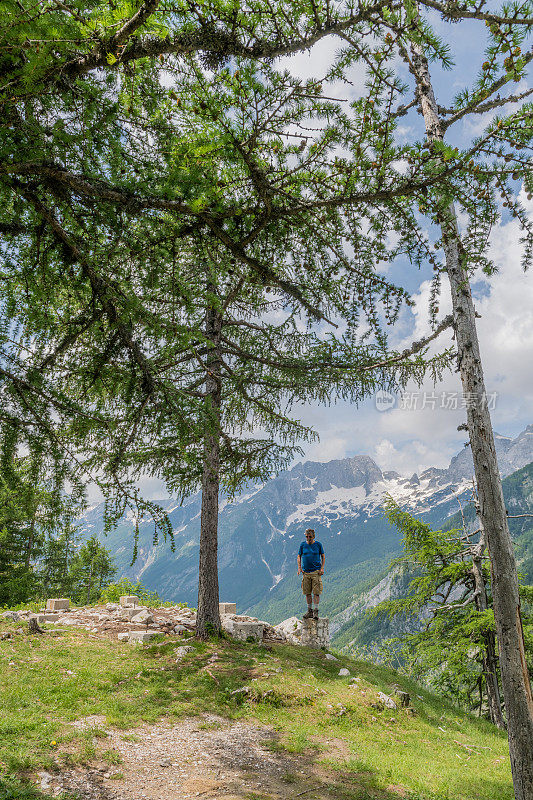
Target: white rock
(143, 616)
(10, 615)
(387, 701)
(179, 628)
(331, 657)
(141, 636)
(124, 636)
(344, 672)
(291, 629)
(181, 652)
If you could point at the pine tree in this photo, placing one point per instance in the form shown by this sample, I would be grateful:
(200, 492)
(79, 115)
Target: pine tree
(160, 341)
(90, 570)
(449, 591)
(441, 181)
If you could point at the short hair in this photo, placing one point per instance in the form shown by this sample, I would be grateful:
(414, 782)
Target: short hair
(310, 530)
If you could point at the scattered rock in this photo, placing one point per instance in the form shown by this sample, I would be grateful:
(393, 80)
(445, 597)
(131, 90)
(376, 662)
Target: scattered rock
(244, 690)
(46, 779)
(140, 637)
(123, 636)
(12, 616)
(181, 652)
(165, 762)
(387, 701)
(330, 657)
(344, 672)
(290, 629)
(143, 616)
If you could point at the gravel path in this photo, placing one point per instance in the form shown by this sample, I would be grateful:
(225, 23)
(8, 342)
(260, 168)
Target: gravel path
(206, 757)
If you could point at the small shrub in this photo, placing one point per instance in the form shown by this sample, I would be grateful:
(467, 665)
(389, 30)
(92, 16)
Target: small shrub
(113, 592)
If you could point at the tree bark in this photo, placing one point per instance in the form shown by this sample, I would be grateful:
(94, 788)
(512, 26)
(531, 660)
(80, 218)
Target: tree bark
(208, 616)
(31, 540)
(506, 601)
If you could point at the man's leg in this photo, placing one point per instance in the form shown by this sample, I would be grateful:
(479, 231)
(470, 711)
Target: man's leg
(316, 598)
(309, 613)
(307, 589)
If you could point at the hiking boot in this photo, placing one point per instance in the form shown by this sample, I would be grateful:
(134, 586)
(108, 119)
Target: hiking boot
(308, 614)
(315, 613)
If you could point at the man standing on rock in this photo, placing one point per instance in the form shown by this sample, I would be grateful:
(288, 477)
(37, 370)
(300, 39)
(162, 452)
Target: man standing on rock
(311, 560)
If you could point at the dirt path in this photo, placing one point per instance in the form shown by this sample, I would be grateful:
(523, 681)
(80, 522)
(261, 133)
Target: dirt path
(207, 757)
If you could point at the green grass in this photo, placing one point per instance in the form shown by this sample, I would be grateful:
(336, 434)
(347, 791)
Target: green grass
(47, 682)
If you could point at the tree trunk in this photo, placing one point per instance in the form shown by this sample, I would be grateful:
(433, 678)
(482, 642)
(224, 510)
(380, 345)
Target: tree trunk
(515, 678)
(490, 659)
(31, 540)
(89, 585)
(208, 617)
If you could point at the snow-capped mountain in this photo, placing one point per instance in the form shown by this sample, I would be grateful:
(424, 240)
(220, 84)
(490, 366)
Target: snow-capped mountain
(260, 530)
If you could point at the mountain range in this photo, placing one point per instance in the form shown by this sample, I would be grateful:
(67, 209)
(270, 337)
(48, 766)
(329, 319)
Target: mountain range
(260, 531)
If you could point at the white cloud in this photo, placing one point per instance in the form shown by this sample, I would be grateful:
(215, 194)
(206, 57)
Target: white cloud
(411, 439)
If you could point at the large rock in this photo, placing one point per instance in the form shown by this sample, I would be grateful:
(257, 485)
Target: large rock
(387, 701)
(227, 608)
(242, 630)
(57, 604)
(143, 616)
(315, 632)
(141, 637)
(128, 613)
(291, 629)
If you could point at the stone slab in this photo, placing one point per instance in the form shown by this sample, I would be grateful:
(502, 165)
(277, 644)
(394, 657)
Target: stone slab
(57, 604)
(124, 636)
(141, 637)
(41, 618)
(242, 631)
(128, 600)
(227, 608)
(129, 613)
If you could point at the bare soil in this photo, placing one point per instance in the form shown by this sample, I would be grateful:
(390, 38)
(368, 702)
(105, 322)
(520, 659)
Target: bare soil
(206, 757)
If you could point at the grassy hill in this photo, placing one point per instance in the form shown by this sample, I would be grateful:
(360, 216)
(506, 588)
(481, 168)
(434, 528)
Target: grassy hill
(339, 744)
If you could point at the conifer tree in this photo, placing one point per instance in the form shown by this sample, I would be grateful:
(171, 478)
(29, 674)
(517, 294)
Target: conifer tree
(442, 180)
(449, 585)
(162, 291)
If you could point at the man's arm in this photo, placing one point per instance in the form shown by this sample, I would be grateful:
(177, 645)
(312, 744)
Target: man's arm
(299, 563)
(323, 557)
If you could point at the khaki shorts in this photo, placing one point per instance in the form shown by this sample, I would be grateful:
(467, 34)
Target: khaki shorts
(312, 583)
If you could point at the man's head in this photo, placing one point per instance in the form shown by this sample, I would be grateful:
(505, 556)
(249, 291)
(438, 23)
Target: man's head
(310, 536)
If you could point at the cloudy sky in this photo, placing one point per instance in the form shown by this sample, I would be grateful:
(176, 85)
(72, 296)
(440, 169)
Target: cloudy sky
(420, 429)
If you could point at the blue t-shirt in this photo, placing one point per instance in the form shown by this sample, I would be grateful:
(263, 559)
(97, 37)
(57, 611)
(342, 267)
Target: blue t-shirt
(310, 555)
